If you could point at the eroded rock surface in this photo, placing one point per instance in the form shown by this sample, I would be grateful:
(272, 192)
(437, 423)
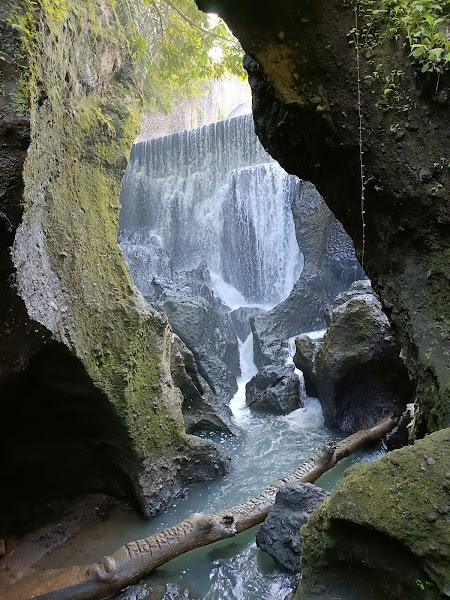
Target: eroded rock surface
(202, 411)
(280, 535)
(384, 528)
(85, 361)
(276, 390)
(360, 375)
(207, 332)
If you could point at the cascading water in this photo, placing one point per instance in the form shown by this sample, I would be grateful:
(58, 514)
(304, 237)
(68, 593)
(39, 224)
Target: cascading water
(214, 194)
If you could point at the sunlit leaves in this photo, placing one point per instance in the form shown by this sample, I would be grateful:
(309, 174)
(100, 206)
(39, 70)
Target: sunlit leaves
(178, 47)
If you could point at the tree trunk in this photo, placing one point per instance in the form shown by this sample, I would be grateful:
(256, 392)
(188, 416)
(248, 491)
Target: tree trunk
(138, 558)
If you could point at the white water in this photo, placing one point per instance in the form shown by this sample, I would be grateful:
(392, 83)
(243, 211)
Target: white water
(215, 194)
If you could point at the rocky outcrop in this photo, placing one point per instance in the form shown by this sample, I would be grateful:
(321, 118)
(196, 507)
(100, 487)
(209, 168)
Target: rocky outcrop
(85, 361)
(280, 534)
(208, 334)
(330, 266)
(276, 390)
(240, 319)
(384, 528)
(304, 359)
(304, 84)
(360, 374)
(197, 316)
(202, 411)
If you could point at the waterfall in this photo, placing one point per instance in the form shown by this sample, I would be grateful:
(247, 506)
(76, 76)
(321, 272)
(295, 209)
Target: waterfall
(214, 194)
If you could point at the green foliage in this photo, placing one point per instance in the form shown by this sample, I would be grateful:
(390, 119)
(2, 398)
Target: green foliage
(177, 47)
(425, 23)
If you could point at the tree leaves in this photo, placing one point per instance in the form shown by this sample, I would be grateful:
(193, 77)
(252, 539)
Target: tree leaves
(178, 47)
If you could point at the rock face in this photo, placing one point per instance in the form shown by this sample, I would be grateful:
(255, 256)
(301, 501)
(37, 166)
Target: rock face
(360, 375)
(384, 528)
(202, 411)
(304, 84)
(304, 359)
(240, 318)
(210, 337)
(330, 266)
(85, 362)
(280, 534)
(276, 390)
(197, 316)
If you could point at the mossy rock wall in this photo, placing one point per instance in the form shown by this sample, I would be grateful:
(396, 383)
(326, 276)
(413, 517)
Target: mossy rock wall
(385, 529)
(304, 81)
(73, 88)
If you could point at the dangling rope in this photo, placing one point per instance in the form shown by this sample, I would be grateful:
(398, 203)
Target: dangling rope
(360, 129)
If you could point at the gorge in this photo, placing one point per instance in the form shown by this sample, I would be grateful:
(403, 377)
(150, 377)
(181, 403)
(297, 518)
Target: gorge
(87, 391)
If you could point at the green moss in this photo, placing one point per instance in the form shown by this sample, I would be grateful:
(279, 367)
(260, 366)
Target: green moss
(85, 114)
(403, 499)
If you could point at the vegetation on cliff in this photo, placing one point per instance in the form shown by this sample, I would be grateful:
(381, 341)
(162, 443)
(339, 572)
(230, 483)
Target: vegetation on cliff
(424, 23)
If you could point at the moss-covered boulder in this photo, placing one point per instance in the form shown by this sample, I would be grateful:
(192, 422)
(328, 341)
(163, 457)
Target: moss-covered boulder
(86, 393)
(385, 530)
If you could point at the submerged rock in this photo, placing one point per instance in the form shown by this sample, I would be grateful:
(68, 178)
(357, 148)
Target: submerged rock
(385, 528)
(153, 591)
(330, 266)
(304, 359)
(360, 374)
(280, 534)
(202, 411)
(276, 390)
(208, 334)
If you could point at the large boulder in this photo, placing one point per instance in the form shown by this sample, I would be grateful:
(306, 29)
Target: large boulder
(280, 534)
(304, 359)
(385, 528)
(202, 410)
(360, 374)
(208, 334)
(330, 266)
(275, 389)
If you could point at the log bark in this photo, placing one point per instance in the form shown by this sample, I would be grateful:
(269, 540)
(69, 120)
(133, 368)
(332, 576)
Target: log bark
(138, 558)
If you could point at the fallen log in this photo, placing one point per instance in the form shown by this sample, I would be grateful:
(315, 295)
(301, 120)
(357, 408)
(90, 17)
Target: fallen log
(132, 561)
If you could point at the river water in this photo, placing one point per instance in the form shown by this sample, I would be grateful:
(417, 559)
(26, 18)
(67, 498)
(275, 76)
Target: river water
(234, 569)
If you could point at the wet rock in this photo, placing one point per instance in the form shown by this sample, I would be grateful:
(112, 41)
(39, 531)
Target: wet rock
(385, 523)
(359, 287)
(203, 462)
(399, 436)
(208, 334)
(280, 534)
(330, 266)
(240, 319)
(153, 272)
(202, 411)
(304, 359)
(276, 390)
(360, 374)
